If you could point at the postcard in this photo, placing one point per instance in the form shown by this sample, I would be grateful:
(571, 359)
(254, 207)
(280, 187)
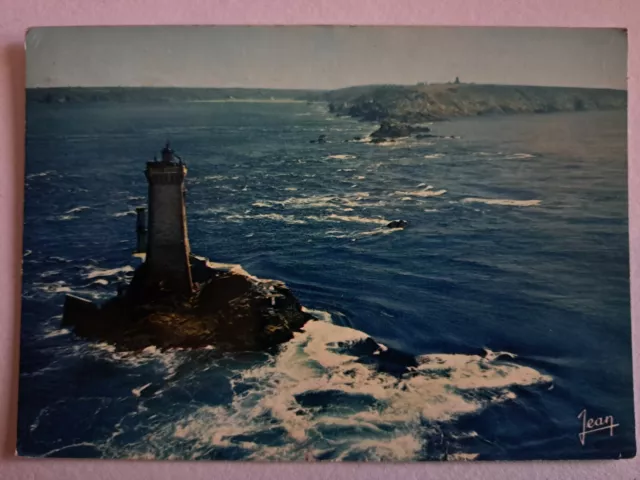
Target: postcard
(326, 244)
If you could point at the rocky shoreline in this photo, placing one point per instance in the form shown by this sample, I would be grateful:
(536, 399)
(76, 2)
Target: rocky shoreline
(414, 104)
(229, 310)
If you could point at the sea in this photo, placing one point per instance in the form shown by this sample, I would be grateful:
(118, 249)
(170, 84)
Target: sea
(503, 307)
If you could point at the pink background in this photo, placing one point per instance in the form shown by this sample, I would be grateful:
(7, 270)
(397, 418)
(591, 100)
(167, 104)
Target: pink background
(17, 15)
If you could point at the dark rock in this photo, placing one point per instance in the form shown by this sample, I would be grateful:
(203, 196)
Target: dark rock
(320, 139)
(229, 310)
(398, 224)
(390, 130)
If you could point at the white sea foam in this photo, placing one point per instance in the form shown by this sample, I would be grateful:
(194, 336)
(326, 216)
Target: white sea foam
(342, 157)
(491, 355)
(95, 272)
(389, 143)
(57, 333)
(316, 201)
(502, 201)
(434, 155)
(379, 231)
(128, 213)
(389, 413)
(344, 218)
(427, 192)
(77, 209)
(516, 156)
(54, 287)
(40, 174)
(49, 273)
(267, 216)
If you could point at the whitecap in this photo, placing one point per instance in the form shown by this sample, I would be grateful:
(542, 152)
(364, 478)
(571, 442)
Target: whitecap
(503, 201)
(491, 355)
(57, 333)
(342, 157)
(40, 174)
(434, 155)
(427, 192)
(316, 201)
(124, 214)
(518, 156)
(290, 219)
(344, 218)
(101, 272)
(54, 287)
(77, 209)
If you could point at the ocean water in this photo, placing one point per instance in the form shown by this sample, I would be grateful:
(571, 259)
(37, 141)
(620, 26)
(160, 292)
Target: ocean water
(505, 303)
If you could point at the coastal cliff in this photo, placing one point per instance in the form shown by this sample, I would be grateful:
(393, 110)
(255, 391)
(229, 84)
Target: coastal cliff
(424, 103)
(401, 103)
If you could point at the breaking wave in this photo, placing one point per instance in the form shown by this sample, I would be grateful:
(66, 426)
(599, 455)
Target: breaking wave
(95, 272)
(77, 209)
(426, 192)
(516, 156)
(506, 202)
(267, 216)
(317, 201)
(333, 393)
(345, 218)
(129, 213)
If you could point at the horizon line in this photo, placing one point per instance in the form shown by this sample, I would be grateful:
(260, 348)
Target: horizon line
(426, 84)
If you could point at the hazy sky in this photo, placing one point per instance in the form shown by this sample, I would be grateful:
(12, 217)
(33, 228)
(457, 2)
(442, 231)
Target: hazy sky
(323, 57)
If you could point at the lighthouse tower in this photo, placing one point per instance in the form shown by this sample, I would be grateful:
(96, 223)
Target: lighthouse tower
(167, 240)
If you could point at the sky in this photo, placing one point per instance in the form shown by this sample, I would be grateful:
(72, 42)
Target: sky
(323, 57)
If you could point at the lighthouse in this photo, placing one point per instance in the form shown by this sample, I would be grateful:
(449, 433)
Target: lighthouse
(167, 242)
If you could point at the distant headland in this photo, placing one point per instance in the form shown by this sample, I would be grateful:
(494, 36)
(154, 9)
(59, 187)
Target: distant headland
(400, 103)
(400, 110)
(425, 103)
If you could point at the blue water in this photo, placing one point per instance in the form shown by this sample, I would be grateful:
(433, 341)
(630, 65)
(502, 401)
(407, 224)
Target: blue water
(510, 288)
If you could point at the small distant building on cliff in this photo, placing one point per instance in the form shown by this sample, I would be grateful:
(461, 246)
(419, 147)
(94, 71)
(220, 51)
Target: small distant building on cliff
(165, 241)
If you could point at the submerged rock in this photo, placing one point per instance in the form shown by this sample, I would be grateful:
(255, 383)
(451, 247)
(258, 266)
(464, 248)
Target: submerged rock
(229, 310)
(389, 130)
(321, 139)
